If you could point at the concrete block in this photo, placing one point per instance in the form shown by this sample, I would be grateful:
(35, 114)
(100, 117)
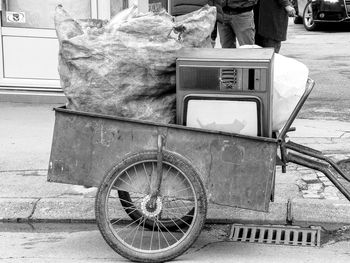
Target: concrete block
(65, 208)
(323, 179)
(320, 174)
(331, 190)
(277, 214)
(331, 197)
(320, 212)
(313, 195)
(16, 208)
(328, 183)
(301, 184)
(315, 187)
(310, 178)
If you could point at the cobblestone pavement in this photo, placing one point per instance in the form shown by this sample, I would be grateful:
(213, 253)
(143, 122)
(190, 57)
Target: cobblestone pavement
(315, 185)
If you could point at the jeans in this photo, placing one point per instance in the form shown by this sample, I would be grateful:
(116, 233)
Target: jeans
(238, 26)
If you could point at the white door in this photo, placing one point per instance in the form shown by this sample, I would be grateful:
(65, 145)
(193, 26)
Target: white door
(28, 41)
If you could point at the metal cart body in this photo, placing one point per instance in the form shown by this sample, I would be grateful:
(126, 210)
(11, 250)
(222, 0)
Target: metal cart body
(236, 170)
(229, 170)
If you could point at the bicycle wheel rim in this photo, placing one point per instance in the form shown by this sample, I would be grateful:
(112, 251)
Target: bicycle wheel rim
(170, 239)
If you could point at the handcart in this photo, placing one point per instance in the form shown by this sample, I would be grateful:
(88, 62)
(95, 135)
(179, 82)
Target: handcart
(157, 181)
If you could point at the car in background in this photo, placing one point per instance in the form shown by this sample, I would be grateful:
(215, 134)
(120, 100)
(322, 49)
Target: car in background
(313, 12)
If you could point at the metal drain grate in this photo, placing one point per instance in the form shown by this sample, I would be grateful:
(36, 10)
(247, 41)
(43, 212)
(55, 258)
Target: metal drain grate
(280, 235)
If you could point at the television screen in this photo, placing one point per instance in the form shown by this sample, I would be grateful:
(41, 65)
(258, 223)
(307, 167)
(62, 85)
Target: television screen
(234, 115)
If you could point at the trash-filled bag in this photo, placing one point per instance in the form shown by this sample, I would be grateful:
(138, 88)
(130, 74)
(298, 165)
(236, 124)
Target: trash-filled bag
(289, 82)
(126, 67)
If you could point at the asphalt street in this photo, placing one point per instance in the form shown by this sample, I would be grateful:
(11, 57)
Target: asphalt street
(62, 243)
(327, 55)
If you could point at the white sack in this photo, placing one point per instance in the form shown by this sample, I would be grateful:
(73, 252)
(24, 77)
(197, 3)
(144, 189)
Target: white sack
(289, 82)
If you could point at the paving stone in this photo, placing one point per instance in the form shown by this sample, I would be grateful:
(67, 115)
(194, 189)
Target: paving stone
(313, 195)
(342, 197)
(300, 168)
(301, 184)
(323, 179)
(346, 135)
(320, 175)
(331, 189)
(328, 183)
(331, 197)
(309, 178)
(315, 187)
(340, 156)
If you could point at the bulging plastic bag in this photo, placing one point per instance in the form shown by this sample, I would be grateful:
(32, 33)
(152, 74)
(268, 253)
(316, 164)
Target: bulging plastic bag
(289, 83)
(290, 77)
(126, 67)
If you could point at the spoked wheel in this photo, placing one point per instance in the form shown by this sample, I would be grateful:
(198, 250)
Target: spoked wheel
(133, 208)
(162, 227)
(308, 18)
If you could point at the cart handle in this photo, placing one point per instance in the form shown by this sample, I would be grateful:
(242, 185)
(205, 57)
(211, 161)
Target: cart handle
(309, 86)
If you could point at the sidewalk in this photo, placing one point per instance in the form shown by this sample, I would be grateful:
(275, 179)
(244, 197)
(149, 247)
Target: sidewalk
(303, 196)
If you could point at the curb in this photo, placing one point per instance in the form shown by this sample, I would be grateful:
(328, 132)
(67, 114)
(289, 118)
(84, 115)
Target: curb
(327, 214)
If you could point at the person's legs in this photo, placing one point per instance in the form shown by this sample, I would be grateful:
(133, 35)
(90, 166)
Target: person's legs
(244, 28)
(268, 42)
(259, 40)
(226, 33)
(214, 34)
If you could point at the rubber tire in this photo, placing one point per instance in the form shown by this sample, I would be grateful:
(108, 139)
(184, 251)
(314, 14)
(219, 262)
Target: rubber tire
(135, 215)
(179, 249)
(312, 27)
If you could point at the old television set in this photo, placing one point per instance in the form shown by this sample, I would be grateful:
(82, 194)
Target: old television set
(227, 90)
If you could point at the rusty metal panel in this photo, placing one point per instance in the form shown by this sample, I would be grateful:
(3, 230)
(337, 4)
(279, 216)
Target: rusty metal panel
(236, 170)
(85, 148)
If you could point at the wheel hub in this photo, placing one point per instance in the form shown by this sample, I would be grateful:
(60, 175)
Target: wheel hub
(150, 208)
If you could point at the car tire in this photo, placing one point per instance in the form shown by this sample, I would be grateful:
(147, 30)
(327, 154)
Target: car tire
(308, 19)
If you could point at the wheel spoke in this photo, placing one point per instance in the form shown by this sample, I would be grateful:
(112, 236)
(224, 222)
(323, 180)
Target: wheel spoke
(164, 227)
(135, 229)
(131, 187)
(181, 190)
(143, 229)
(126, 225)
(181, 219)
(151, 242)
(158, 230)
(161, 233)
(122, 218)
(131, 202)
(174, 222)
(138, 226)
(126, 190)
